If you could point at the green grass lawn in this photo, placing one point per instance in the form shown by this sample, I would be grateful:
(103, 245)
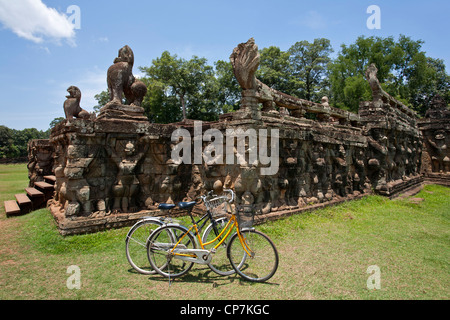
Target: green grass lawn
(13, 180)
(323, 255)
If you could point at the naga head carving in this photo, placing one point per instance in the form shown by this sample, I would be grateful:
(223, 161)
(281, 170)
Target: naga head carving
(245, 61)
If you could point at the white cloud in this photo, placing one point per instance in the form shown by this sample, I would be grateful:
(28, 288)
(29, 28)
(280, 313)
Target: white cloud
(34, 21)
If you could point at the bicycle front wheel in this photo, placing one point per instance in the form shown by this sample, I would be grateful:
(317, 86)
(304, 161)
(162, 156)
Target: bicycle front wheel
(220, 263)
(159, 250)
(135, 244)
(261, 261)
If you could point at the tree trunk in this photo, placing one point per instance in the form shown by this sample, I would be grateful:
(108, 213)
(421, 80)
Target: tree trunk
(183, 106)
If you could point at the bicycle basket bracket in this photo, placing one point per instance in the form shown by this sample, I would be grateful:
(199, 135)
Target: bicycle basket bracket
(245, 215)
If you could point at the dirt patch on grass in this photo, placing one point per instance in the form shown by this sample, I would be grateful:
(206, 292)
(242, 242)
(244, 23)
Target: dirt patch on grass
(9, 249)
(416, 200)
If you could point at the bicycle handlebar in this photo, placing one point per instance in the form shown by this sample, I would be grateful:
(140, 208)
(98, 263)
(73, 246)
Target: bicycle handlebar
(232, 194)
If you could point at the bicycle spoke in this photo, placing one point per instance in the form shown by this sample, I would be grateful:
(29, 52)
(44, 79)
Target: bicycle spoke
(135, 245)
(263, 262)
(159, 253)
(141, 243)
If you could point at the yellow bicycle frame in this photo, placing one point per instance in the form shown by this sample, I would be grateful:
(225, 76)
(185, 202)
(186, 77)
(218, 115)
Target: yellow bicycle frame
(233, 222)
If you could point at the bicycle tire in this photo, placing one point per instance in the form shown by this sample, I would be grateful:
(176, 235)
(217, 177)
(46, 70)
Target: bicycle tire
(136, 244)
(158, 246)
(263, 263)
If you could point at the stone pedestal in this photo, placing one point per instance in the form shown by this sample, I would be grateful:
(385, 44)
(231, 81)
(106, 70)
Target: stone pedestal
(249, 106)
(114, 110)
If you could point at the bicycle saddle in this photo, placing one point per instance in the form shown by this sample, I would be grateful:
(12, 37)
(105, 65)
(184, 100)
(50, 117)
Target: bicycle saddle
(186, 205)
(166, 206)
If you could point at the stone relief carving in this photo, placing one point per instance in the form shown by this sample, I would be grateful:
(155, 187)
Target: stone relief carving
(435, 127)
(127, 184)
(40, 160)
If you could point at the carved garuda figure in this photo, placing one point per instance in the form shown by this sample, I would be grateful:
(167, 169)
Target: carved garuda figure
(121, 80)
(72, 104)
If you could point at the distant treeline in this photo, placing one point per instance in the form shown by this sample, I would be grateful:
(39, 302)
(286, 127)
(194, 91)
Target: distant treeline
(13, 143)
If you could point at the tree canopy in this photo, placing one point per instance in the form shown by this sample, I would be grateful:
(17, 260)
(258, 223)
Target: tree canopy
(13, 143)
(404, 71)
(176, 82)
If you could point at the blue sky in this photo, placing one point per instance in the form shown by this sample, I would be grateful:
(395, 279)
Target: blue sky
(42, 55)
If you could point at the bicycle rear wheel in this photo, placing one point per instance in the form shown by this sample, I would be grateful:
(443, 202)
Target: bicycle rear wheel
(159, 247)
(135, 244)
(261, 264)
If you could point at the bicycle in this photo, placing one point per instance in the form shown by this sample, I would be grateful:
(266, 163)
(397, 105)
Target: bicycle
(137, 236)
(136, 239)
(173, 249)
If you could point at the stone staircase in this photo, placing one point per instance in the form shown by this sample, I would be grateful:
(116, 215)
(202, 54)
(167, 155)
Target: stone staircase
(34, 198)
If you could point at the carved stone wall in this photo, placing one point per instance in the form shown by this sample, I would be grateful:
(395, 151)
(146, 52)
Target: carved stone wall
(394, 141)
(116, 168)
(110, 173)
(40, 160)
(106, 172)
(435, 127)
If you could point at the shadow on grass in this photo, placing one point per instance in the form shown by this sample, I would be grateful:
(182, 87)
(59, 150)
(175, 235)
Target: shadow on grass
(208, 276)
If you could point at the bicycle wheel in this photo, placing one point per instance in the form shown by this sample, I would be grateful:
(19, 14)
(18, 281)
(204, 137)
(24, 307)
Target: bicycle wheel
(262, 264)
(159, 246)
(135, 244)
(220, 263)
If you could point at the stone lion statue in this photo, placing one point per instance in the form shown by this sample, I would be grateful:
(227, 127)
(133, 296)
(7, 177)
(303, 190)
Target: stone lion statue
(121, 80)
(72, 104)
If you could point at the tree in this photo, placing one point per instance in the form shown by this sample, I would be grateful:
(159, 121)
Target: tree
(309, 63)
(55, 121)
(102, 99)
(7, 147)
(160, 106)
(228, 89)
(425, 81)
(404, 71)
(276, 71)
(13, 143)
(192, 82)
